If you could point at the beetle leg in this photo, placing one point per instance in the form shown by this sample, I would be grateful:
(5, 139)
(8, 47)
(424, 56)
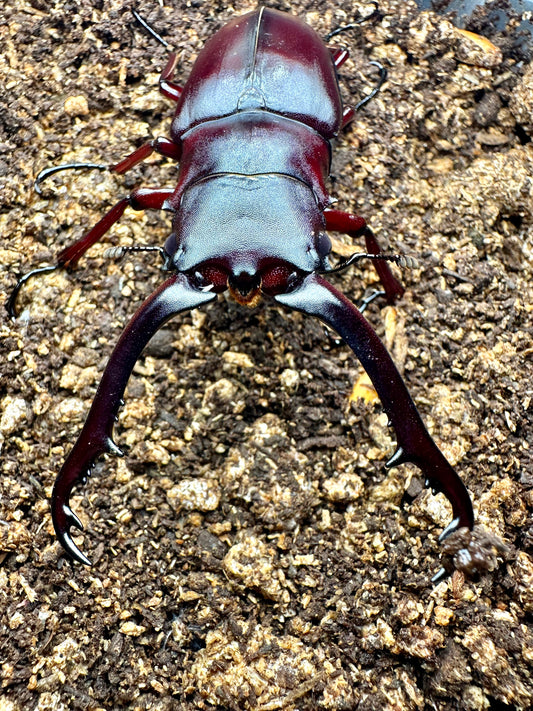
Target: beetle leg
(353, 25)
(365, 303)
(175, 295)
(317, 297)
(163, 146)
(140, 19)
(47, 172)
(141, 199)
(348, 113)
(339, 56)
(375, 90)
(356, 226)
(11, 303)
(169, 88)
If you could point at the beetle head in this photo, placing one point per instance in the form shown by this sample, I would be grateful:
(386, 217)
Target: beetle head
(252, 234)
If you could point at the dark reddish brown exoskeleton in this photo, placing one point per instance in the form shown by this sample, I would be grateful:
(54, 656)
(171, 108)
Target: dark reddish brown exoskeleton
(252, 133)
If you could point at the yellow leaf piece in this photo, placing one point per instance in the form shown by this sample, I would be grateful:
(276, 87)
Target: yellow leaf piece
(391, 320)
(477, 50)
(341, 248)
(363, 390)
(483, 42)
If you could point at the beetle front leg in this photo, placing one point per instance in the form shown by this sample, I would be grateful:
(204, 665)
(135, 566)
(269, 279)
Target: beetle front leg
(317, 297)
(356, 226)
(177, 294)
(141, 199)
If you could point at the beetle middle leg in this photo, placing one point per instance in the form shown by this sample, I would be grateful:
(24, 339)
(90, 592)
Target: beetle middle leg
(163, 146)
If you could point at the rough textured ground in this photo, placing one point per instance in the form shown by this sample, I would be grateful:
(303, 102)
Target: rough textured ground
(251, 552)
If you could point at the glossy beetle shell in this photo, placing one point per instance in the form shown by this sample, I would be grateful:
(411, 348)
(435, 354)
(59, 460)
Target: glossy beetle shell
(265, 60)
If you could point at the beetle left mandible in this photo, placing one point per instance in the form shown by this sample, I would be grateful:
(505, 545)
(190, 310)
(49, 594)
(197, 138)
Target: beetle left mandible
(252, 133)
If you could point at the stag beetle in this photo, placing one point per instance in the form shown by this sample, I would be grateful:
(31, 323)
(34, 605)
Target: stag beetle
(252, 132)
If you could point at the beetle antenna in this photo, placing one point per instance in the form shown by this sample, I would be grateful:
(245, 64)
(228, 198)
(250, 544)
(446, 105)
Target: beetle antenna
(47, 172)
(119, 252)
(402, 260)
(149, 29)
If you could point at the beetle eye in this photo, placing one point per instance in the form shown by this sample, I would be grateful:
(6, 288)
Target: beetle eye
(279, 279)
(211, 277)
(171, 245)
(323, 246)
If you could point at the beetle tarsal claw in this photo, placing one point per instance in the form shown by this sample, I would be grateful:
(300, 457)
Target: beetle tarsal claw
(11, 303)
(439, 576)
(47, 172)
(450, 528)
(399, 457)
(71, 517)
(113, 448)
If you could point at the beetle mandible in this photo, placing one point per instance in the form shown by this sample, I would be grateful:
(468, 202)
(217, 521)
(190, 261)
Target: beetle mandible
(252, 132)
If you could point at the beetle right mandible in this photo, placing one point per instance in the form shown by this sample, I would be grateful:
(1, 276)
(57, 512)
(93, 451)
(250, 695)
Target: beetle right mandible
(252, 133)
